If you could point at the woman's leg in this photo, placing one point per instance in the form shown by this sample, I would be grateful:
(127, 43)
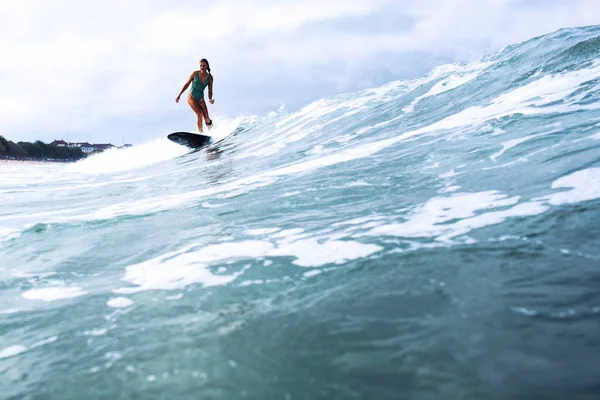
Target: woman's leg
(197, 109)
(205, 113)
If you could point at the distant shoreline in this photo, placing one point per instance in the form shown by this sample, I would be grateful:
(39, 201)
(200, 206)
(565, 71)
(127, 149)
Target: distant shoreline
(57, 151)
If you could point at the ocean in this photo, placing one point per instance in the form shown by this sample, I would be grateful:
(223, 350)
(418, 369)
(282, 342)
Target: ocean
(434, 238)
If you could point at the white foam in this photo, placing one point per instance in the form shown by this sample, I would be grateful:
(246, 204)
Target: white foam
(525, 311)
(119, 302)
(512, 143)
(12, 351)
(224, 127)
(113, 356)
(449, 174)
(206, 204)
(290, 194)
(357, 184)
(316, 149)
(449, 189)
(8, 234)
(584, 185)
(365, 223)
(261, 232)
(47, 216)
(53, 293)
(549, 88)
(431, 219)
(445, 232)
(44, 342)
(311, 253)
(493, 218)
(312, 273)
(95, 332)
(115, 160)
(179, 269)
(250, 283)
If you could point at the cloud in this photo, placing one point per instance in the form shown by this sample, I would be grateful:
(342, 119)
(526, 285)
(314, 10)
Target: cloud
(91, 67)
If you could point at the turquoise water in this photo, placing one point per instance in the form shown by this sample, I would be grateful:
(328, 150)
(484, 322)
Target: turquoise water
(432, 238)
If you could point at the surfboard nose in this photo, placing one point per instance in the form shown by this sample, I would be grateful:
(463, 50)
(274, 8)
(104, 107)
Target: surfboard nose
(191, 140)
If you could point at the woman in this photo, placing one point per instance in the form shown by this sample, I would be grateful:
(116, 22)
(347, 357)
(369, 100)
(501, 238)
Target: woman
(199, 80)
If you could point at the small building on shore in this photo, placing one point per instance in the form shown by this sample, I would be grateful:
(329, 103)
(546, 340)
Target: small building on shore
(59, 143)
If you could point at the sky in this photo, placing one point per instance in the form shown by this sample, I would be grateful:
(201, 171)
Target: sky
(110, 71)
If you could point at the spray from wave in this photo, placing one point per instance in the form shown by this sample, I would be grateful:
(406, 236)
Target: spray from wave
(148, 153)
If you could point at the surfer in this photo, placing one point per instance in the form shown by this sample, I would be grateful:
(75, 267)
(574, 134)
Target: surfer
(199, 80)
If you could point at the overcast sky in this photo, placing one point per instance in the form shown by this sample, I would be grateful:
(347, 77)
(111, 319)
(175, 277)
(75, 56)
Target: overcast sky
(110, 70)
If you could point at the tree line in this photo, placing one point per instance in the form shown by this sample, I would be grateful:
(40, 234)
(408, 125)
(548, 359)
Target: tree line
(38, 150)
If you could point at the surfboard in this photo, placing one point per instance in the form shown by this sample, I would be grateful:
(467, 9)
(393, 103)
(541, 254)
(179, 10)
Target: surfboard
(191, 140)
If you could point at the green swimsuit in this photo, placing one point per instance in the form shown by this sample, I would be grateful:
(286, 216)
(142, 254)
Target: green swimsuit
(198, 87)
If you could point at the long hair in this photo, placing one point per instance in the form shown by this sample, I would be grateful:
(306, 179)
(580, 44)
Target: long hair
(207, 64)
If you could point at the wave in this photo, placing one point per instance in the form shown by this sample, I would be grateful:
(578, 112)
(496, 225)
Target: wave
(364, 221)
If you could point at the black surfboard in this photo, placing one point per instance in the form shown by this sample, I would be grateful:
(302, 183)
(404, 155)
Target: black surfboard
(191, 140)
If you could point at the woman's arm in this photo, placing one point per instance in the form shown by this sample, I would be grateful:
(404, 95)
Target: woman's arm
(187, 84)
(210, 82)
